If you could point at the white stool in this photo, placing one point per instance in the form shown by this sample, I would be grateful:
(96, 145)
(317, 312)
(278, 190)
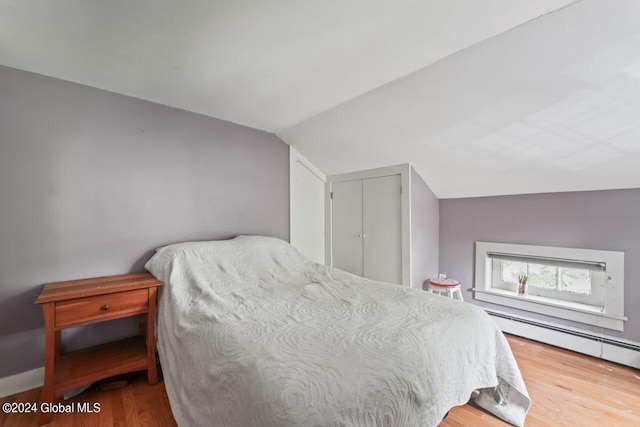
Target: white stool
(445, 287)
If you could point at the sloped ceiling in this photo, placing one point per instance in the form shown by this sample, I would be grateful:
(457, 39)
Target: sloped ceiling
(444, 84)
(553, 105)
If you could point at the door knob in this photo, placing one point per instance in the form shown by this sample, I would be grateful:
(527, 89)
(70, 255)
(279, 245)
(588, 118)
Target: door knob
(362, 235)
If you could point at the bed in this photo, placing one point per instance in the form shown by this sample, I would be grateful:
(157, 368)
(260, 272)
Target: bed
(251, 333)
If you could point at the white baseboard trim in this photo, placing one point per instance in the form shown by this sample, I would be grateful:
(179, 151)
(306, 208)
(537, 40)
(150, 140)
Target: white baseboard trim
(623, 356)
(601, 346)
(21, 382)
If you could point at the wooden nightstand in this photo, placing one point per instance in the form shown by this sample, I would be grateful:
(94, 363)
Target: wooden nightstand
(81, 302)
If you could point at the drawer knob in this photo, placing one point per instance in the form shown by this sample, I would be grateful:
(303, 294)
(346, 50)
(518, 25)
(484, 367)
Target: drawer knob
(105, 307)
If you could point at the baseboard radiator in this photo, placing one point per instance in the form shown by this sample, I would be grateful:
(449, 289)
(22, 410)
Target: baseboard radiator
(620, 351)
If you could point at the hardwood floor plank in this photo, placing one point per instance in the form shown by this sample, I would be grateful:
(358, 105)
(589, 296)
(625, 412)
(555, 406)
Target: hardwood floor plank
(131, 414)
(567, 389)
(149, 405)
(105, 417)
(117, 405)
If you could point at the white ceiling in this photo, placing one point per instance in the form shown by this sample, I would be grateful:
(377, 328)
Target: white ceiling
(553, 105)
(547, 106)
(268, 64)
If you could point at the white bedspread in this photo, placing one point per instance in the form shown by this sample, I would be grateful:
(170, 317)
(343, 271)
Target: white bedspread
(251, 333)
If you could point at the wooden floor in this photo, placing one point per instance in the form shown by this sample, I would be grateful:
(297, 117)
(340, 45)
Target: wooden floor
(567, 389)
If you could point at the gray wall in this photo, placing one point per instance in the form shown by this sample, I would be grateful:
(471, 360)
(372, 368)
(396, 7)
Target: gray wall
(424, 231)
(607, 220)
(91, 182)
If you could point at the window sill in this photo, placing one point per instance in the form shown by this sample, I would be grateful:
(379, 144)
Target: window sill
(576, 312)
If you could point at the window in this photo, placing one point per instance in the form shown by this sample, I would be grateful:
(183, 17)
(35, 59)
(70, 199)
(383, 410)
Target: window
(581, 285)
(567, 280)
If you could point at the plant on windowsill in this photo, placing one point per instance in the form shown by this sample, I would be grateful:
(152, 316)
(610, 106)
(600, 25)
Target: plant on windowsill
(522, 284)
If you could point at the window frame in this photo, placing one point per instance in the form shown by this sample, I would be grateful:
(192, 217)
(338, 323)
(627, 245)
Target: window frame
(610, 315)
(594, 299)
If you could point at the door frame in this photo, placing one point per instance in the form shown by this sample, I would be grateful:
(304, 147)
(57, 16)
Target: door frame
(404, 170)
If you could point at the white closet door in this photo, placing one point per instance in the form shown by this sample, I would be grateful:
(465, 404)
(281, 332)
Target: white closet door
(307, 212)
(346, 218)
(382, 226)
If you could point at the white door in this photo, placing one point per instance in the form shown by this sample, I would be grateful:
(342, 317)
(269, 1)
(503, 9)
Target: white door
(382, 227)
(346, 218)
(307, 208)
(366, 237)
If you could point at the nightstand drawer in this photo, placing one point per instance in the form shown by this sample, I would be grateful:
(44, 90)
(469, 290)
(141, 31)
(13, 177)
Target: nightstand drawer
(101, 307)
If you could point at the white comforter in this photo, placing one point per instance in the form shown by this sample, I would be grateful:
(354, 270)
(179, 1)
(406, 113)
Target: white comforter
(251, 333)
